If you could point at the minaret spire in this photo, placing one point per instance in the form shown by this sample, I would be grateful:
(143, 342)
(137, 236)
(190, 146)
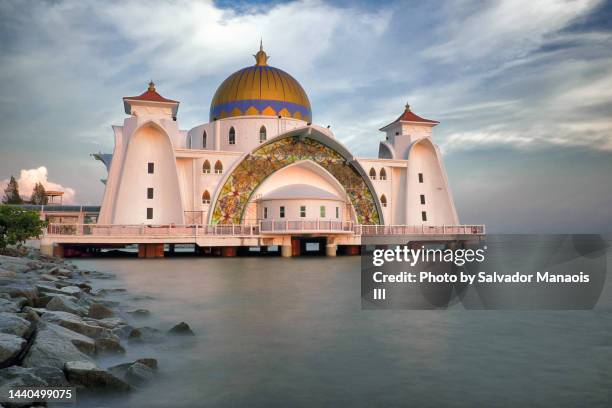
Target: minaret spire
(261, 58)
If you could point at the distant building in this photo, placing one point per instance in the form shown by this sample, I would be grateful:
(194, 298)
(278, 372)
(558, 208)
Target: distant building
(260, 157)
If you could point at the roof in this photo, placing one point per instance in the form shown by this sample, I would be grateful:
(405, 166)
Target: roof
(150, 95)
(295, 191)
(409, 116)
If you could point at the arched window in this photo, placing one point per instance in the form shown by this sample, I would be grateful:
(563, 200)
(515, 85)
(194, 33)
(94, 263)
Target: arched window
(218, 167)
(232, 136)
(262, 134)
(189, 141)
(373, 173)
(204, 140)
(383, 200)
(206, 167)
(206, 197)
(383, 174)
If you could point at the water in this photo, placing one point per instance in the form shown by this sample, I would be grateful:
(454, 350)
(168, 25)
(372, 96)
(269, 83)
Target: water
(291, 332)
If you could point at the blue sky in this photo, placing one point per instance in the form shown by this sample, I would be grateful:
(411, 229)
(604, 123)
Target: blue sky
(522, 88)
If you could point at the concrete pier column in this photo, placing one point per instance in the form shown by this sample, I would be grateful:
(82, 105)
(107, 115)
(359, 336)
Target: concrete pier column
(228, 251)
(58, 250)
(352, 249)
(46, 249)
(286, 251)
(330, 249)
(150, 250)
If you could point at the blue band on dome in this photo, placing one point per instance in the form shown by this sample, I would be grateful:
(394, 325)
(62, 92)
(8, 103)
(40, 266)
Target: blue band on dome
(260, 105)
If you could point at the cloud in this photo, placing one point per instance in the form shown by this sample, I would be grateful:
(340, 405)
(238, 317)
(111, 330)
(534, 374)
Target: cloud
(28, 179)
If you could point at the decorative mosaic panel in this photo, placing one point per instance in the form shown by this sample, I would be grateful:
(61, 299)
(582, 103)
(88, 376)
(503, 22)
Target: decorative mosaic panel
(262, 162)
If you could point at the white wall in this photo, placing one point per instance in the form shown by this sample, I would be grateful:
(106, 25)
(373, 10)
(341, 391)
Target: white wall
(292, 209)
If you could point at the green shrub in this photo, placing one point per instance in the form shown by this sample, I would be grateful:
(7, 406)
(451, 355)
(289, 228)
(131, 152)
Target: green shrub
(17, 225)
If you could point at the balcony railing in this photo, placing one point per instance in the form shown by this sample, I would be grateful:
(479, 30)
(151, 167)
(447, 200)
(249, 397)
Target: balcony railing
(263, 227)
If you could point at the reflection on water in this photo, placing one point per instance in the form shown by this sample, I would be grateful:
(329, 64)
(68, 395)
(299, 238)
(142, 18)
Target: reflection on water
(278, 332)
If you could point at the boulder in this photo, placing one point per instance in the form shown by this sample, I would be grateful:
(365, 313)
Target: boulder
(13, 305)
(85, 344)
(64, 304)
(48, 277)
(120, 370)
(181, 329)
(19, 289)
(138, 374)
(88, 375)
(20, 377)
(74, 323)
(15, 325)
(11, 347)
(146, 335)
(122, 331)
(109, 345)
(53, 346)
(98, 311)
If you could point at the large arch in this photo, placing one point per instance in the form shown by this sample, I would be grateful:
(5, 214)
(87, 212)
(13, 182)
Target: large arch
(240, 184)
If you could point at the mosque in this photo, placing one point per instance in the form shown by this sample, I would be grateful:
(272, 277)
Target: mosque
(261, 158)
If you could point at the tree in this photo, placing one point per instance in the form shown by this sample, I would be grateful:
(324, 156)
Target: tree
(11, 193)
(38, 195)
(17, 225)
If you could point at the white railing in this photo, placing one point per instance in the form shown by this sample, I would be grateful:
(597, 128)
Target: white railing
(263, 227)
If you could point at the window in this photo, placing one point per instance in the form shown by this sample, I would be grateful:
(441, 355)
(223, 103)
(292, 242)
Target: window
(232, 136)
(150, 193)
(424, 215)
(151, 167)
(422, 198)
(373, 173)
(149, 213)
(189, 141)
(302, 211)
(383, 200)
(282, 211)
(218, 167)
(204, 140)
(265, 212)
(262, 134)
(206, 167)
(420, 177)
(383, 174)
(205, 197)
(322, 211)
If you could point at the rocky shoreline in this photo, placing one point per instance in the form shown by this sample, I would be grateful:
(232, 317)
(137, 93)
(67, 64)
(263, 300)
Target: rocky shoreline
(54, 325)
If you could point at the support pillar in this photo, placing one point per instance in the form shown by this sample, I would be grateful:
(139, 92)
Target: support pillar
(58, 250)
(228, 251)
(150, 250)
(352, 249)
(330, 249)
(286, 251)
(46, 249)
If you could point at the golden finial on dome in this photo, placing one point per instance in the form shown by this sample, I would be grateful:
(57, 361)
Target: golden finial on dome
(407, 107)
(261, 57)
(152, 86)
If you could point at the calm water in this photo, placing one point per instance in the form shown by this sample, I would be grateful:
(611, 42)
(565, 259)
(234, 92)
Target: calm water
(278, 332)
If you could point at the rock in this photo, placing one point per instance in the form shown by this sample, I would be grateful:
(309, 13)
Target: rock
(48, 277)
(63, 304)
(49, 288)
(15, 325)
(122, 331)
(140, 313)
(74, 323)
(138, 374)
(10, 348)
(85, 344)
(146, 335)
(53, 346)
(11, 305)
(20, 377)
(120, 370)
(17, 289)
(181, 329)
(14, 264)
(7, 274)
(97, 311)
(109, 346)
(90, 376)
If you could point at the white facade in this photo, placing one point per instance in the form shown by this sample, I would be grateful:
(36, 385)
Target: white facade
(162, 175)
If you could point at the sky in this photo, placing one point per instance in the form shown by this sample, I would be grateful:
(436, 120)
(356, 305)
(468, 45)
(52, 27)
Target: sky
(522, 88)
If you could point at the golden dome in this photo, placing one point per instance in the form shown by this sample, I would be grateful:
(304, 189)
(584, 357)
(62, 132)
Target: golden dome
(260, 90)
